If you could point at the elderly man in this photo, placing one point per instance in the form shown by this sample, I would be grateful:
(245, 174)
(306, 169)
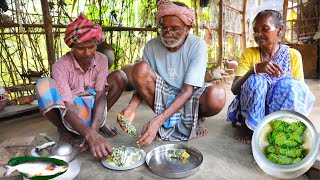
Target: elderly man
(170, 79)
(75, 99)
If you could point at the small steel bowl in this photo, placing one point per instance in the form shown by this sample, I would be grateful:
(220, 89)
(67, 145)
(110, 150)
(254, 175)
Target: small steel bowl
(285, 171)
(64, 151)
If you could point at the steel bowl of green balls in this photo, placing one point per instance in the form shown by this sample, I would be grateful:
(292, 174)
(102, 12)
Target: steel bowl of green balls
(285, 144)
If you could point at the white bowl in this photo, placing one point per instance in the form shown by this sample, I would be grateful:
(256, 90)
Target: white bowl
(311, 138)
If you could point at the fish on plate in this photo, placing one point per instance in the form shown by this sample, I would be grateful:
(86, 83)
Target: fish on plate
(37, 168)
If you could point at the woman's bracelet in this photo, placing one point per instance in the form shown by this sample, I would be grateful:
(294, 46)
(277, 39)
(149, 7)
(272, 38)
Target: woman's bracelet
(255, 68)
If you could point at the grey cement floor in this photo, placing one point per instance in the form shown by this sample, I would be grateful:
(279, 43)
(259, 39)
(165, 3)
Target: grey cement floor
(224, 156)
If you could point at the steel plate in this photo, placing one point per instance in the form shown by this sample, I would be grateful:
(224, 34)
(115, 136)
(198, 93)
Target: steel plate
(162, 165)
(128, 151)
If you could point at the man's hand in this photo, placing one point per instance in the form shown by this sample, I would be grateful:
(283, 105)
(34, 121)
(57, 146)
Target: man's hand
(149, 132)
(96, 127)
(99, 147)
(128, 113)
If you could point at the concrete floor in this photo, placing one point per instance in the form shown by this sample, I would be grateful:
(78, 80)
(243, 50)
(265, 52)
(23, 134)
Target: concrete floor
(224, 156)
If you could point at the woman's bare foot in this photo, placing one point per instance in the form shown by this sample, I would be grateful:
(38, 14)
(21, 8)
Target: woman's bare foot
(244, 134)
(109, 130)
(241, 120)
(201, 130)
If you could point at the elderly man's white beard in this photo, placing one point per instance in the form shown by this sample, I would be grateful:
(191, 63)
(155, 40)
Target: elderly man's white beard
(172, 42)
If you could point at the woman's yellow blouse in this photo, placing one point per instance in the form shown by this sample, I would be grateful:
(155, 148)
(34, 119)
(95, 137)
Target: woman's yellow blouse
(251, 56)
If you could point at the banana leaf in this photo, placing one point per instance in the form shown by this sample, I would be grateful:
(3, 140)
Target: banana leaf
(24, 159)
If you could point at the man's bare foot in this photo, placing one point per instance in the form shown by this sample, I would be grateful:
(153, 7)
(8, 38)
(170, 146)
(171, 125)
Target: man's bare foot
(157, 138)
(201, 130)
(244, 134)
(73, 139)
(66, 136)
(82, 145)
(109, 130)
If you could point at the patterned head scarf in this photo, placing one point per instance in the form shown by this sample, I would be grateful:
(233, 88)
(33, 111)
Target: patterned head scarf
(166, 7)
(82, 30)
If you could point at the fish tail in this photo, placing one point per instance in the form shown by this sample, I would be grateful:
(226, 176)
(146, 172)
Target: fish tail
(9, 170)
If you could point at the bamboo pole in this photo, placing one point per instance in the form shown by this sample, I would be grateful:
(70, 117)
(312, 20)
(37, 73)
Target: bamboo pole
(243, 24)
(285, 12)
(196, 17)
(104, 28)
(299, 19)
(220, 33)
(49, 35)
(233, 9)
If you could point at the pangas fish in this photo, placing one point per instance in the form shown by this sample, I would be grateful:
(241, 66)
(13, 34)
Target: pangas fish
(126, 126)
(37, 168)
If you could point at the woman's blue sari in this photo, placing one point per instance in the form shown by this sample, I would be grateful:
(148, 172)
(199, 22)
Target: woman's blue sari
(261, 94)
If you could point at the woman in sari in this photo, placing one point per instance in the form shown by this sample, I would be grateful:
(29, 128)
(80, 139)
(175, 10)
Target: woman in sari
(269, 78)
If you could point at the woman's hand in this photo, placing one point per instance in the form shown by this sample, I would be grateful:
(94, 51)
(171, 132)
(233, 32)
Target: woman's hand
(270, 68)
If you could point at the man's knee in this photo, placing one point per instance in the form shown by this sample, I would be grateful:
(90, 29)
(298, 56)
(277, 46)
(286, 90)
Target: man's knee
(117, 78)
(45, 82)
(216, 98)
(140, 70)
(44, 85)
(127, 69)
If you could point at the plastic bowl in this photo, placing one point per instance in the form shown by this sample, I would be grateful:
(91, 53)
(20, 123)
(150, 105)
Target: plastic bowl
(285, 171)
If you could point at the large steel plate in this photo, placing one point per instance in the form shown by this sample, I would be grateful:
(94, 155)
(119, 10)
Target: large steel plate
(162, 165)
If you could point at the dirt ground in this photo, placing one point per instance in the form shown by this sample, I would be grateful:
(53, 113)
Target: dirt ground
(224, 156)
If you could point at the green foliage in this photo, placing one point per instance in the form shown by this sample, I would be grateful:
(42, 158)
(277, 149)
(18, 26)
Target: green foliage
(94, 14)
(212, 56)
(207, 15)
(237, 53)
(128, 13)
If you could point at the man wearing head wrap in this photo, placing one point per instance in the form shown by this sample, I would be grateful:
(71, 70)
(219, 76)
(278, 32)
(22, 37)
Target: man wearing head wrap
(74, 99)
(170, 79)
